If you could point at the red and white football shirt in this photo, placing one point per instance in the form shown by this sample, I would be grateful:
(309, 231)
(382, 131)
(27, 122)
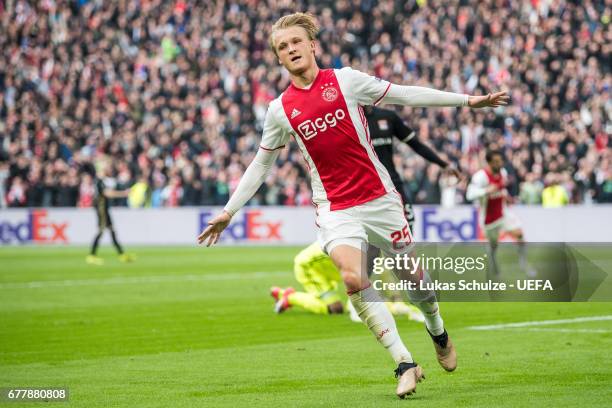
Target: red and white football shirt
(329, 126)
(492, 205)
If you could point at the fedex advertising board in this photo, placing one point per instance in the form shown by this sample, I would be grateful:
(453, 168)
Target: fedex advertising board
(285, 225)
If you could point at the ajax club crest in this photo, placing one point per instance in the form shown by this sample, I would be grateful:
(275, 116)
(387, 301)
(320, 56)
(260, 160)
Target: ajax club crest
(329, 93)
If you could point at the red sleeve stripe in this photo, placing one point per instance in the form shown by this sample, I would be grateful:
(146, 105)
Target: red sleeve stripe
(383, 95)
(271, 150)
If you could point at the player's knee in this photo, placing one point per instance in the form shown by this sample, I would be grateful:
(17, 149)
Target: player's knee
(335, 308)
(349, 263)
(351, 278)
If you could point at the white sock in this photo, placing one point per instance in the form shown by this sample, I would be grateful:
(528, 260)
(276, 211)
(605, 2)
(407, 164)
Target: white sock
(352, 312)
(433, 320)
(374, 313)
(426, 301)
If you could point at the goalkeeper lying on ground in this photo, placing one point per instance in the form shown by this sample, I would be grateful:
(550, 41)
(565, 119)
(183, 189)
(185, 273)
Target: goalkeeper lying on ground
(319, 277)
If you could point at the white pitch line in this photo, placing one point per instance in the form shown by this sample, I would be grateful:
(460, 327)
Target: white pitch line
(548, 329)
(541, 323)
(123, 280)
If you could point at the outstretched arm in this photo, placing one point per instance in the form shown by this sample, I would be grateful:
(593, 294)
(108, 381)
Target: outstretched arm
(369, 90)
(407, 135)
(253, 178)
(426, 152)
(418, 96)
(273, 140)
(430, 155)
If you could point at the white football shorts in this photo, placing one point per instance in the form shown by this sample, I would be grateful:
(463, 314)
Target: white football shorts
(380, 222)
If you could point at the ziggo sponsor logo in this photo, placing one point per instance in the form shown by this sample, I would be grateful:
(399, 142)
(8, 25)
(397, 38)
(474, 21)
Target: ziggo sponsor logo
(310, 128)
(249, 227)
(36, 228)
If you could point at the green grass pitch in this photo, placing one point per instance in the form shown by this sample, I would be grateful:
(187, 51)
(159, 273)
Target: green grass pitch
(193, 327)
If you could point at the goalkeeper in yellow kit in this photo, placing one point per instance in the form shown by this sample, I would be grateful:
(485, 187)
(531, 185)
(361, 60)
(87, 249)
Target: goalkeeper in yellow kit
(319, 277)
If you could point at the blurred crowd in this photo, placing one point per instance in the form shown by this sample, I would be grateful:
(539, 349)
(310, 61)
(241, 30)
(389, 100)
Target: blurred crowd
(170, 96)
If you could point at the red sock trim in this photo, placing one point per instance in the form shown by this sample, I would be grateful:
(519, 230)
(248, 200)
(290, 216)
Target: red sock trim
(352, 292)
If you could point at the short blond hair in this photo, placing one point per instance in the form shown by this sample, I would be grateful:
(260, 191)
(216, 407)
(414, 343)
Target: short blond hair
(305, 20)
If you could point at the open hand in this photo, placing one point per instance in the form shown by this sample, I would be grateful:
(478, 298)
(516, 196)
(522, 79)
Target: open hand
(214, 229)
(491, 100)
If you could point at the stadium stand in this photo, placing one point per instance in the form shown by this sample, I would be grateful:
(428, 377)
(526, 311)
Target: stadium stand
(173, 93)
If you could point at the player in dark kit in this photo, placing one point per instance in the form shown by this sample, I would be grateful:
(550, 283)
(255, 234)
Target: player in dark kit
(384, 125)
(101, 204)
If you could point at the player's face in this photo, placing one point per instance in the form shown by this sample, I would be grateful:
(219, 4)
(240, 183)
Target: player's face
(294, 49)
(496, 163)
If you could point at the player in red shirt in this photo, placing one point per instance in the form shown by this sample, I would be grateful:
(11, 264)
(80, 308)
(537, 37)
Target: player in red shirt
(488, 186)
(354, 196)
